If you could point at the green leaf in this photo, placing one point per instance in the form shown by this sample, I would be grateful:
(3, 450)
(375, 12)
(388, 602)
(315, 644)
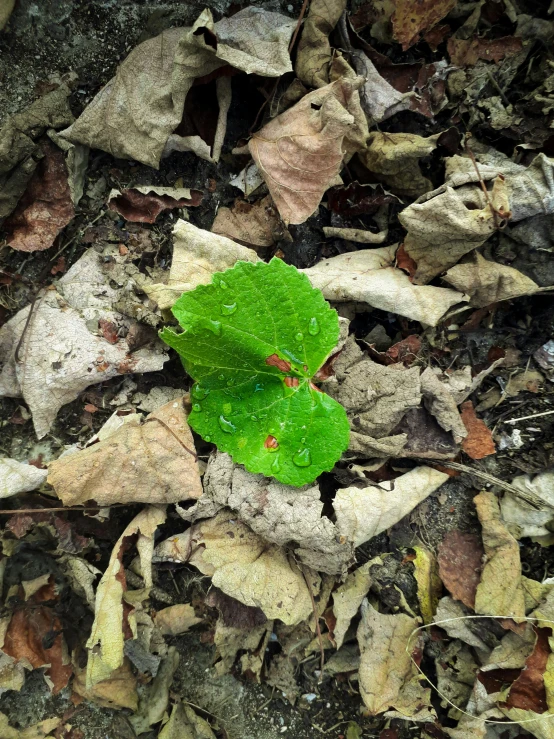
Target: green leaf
(252, 340)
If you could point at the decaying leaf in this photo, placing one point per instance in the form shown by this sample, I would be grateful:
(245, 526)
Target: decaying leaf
(478, 443)
(16, 477)
(521, 518)
(57, 354)
(362, 513)
(460, 561)
(197, 255)
(253, 224)
(153, 462)
(348, 597)
(429, 585)
(144, 204)
(117, 691)
(107, 638)
(500, 591)
(450, 616)
(42, 730)
(314, 54)
(244, 566)
(410, 19)
(134, 115)
(300, 152)
(369, 276)
(184, 723)
(176, 619)
(153, 702)
(388, 677)
(468, 51)
(440, 402)
(46, 205)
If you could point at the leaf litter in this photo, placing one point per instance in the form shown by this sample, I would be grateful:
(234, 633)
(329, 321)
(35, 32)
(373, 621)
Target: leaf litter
(408, 203)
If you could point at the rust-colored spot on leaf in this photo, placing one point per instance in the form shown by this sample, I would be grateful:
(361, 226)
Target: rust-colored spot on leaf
(478, 442)
(275, 361)
(291, 381)
(271, 443)
(405, 262)
(411, 19)
(109, 330)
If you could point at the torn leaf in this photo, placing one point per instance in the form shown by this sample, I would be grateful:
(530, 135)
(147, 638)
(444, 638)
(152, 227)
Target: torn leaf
(144, 204)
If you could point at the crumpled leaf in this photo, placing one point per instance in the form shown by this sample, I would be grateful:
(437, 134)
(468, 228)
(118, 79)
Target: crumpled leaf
(42, 730)
(19, 152)
(429, 586)
(150, 463)
(76, 162)
(394, 158)
(369, 276)
(134, 115)
(467, 51)
(107, 638)
(248, 640)
(154, 700)
(58, 355)
(300, 152)
(16, 477)
(513, 650)
(254, 392)
(500, 591)
(445, 224)
(255, 224)
(244, 566)
(280, 514)
(410, 20)
(314, 54)
(197, 255)
(362, 513)
(478, 443)
(388, 677)
(348, 597)
(176, 619)
(46, 206)
(440, 402)
(450, 617)
(460, 558)
(117, 691)
(184, 723)
(522, 519)
(144, 204)
(488, 282)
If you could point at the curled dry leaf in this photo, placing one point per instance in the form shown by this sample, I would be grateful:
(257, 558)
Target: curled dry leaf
(348, 597)
(460, 561)
(440, 402)
(144, 204)
(16, 477)
(362, 513)
(245, 567)
(117, 691)
(478, 443)
(521, 519)
(197, 255)
(500, 591)
(111, 621)
(45, 207)
(429, 586)
(410, 20)
(134, 115)
(253, 224)
(488, 282)
(154, 700)
(300, 152)
(369, 276)
(184, 723)
(152, 462)
(176, 619)
(314, 54)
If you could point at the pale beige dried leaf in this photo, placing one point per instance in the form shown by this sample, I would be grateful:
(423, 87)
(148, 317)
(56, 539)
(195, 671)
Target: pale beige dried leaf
(134, 115)
(106, 641)
(42, 730)
(248, 179)
(348, 597)
(355, 234)
(118, 691)
(441, 403)
(230, 640)
(244, 566)
(6, 7)
(176, 619)
(369, 276)
(386, 667)
(500, 591)
(30, 587)
(12, 673)
(512, 651)
(16, 477)
(314, 53)
(256, 224)
(300, 152)
(185, 724)
(363, 513)
(450, 617)
(446, 224)
(81, 574)
(521, 518)
(150, 463)
(197, 254)
(488, 282)
(394, 157)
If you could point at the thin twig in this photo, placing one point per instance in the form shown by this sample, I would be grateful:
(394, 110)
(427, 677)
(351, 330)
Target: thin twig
(483, 186)
(317, 627)
(297, 29)
(8, 512)
(526, 418)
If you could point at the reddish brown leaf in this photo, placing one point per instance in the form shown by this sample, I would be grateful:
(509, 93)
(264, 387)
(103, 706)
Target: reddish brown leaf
(142, 207)
(460, 558)
(528, 691)
(109, 330)
(414, 17)
(405, 262)
(478, 442)
(436, 36)
(45, 207)
(467, 52)
(404, 351)
(356, 199)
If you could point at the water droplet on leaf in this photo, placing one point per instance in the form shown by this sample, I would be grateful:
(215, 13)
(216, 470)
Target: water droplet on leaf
(230, 382)
(299, 336)
(253, 418)
(214, 327)
(226, 425)
(221, 377)
(258, 388)
(198, 392)
(273, 429)
(207, 438)
(313, 327)
(223, 284)
(228, 310)
(196, 407)
(275, 466)
(302, 458)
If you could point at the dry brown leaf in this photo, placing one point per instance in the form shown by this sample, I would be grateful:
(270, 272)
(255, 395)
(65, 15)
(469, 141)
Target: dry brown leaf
(314, 55)
(300, 152)
(440, 402)
(412, 19)
(348, 597)
(107, 639)
(252, 224)
(363, 513)
(488, 282)
(176, 619)
(150, 463)
(467, 51)
(478, 443)
(42, 730)
(445, 224)
(521, 519)
(134, 115)
(45, 207)
(185, 724)
(388, 677)
(16, 477)
(144, 204)
(154, 700)
(528, 692)
(369, 276)
(251, 641)
(460, 563)
(118, 691)
(512, 651)
(245, 567)
(500, 591)
(197, 254)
